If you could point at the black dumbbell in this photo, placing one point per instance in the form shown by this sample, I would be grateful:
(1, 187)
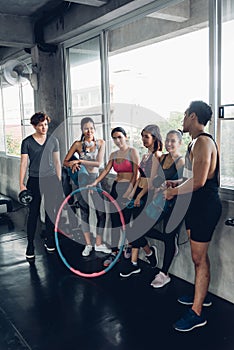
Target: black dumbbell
(25, 197)
(229, 222)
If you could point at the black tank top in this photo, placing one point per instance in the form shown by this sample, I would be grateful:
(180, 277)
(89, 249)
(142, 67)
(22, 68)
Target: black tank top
(172, 173)
(210, 184)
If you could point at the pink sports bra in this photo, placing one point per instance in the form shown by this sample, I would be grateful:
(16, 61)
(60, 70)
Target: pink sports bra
(125, 166)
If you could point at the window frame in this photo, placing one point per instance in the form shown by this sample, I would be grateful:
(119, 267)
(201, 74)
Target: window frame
(214, 27)
(22, 120)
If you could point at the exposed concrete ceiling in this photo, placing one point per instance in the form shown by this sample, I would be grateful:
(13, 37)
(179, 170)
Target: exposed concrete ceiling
(19, 17)
(47, 23)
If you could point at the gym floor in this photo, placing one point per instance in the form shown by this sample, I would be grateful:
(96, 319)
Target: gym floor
(45, 306)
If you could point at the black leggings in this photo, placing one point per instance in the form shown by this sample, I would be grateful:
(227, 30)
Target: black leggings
(167, 238)
(139, 220)
(169, 245)
(49, 186)
(117, 191)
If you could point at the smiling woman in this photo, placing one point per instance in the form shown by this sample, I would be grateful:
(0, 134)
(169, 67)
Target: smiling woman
(90, 151)
(124, 162)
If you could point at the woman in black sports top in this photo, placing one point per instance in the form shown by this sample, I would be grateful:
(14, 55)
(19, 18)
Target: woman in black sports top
(172, 166)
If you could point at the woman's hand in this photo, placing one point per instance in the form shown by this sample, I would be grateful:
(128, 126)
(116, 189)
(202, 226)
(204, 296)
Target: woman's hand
(93, 184)
(137, 202)
(169, 193)
(171, 183)
(75, 166)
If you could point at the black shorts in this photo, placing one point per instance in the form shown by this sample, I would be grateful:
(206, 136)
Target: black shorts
(203, 215)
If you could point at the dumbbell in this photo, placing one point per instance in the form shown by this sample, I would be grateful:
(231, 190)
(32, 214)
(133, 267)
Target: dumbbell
(229, 222)
(25, 197)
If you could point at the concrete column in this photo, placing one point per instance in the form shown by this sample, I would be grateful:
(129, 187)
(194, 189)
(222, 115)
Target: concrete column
(50, 95)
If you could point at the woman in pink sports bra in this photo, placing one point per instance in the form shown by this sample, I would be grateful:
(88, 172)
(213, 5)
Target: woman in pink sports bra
(125, 163)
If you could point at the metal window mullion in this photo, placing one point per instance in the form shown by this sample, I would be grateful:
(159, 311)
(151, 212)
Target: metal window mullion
(3, 120)
(68, 98)
(105, 88)
(215, 64)
(21, 103)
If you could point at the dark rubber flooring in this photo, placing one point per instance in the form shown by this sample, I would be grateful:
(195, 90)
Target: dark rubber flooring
(44, 306)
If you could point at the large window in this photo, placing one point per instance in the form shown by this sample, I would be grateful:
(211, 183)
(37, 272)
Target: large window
(11, 107)
(157, 64)
(85, 82)
(156, 72)
(17, 106)
(227, 97)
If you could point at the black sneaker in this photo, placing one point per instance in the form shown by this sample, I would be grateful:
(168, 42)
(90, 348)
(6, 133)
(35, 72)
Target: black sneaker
(153, 258)
(30, 251)
(129, 270)
(49, 246)
(188, 300)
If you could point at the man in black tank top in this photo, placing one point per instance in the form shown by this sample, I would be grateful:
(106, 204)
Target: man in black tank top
(202, 173)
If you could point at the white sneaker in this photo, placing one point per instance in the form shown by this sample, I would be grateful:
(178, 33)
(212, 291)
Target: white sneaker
(87, 250)
(102, 248)
(160, 280)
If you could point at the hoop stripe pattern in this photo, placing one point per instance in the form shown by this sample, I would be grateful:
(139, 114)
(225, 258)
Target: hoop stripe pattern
(112, 200)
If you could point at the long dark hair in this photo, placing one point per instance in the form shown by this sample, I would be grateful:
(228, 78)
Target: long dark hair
(154, 130)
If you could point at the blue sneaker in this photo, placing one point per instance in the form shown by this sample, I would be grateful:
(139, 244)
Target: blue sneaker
(188, 300)
(189, 321)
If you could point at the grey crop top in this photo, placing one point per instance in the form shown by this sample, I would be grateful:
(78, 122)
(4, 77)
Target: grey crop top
(89, 155)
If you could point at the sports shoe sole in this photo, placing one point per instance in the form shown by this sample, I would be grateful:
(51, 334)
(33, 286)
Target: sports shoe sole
(161, 285)
(50, 250)
(191, 303)
(190, 329)
(102, 251)
(30, 256)
(130, 273)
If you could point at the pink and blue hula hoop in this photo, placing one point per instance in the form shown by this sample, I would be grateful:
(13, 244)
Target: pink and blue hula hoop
(112, 200)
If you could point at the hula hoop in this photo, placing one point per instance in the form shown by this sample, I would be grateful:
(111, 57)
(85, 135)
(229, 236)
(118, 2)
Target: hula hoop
(75, 271)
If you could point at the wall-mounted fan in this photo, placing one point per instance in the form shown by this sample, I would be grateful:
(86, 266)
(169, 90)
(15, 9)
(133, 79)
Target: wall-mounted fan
(16, 72)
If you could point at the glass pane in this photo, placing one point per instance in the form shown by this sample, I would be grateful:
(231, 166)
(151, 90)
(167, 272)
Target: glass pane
(11, 105)
(85, 73)
(2, 135)
(27, 108)
(227, 78)
(227, 67)
(226, 154)
(155, 71)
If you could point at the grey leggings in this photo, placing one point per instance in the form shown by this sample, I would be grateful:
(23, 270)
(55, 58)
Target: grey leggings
(98, 202)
